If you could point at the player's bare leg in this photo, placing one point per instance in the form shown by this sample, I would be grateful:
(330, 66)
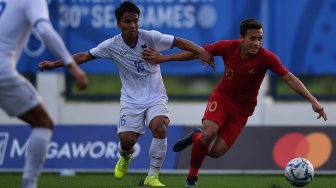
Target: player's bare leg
(125, 149)
(200, 150)
(157, 150)
(217, 148)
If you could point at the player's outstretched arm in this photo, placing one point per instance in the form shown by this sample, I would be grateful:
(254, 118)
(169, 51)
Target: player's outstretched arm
(79, 58)
(155, 57)
(79, 76)
(50, 65)
(300, 89)
(202, 54)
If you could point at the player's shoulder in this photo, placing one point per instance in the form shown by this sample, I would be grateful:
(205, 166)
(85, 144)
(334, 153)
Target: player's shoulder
(268, 55)
(148, 33)
(147, 36)
(231, 43)
(115, 39)
(112, 42)
(144, 31)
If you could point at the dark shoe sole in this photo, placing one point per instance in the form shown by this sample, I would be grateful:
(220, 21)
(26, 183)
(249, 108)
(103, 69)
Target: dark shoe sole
(185, 141)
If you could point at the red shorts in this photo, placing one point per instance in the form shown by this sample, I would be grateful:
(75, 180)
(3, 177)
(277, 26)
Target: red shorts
(228, 117)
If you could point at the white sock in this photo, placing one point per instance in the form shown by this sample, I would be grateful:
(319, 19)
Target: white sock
(36, 153)
(125, 154)
(157, 154)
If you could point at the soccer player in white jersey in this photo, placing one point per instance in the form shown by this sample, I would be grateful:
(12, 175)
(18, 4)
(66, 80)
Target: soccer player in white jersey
(143, 96)
(17, 96)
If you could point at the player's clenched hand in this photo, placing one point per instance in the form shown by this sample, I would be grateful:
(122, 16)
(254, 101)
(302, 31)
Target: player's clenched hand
(80, 77)
(152, 56)
(318, 108)
(46, 65)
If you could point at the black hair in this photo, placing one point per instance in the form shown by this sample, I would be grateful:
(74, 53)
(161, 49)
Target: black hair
(126, 6)
(249, 24)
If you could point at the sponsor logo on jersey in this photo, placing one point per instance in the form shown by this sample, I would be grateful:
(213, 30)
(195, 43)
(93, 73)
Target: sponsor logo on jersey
(123, 52)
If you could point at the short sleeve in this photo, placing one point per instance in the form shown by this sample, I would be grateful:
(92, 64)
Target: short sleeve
(161, 41)
(275, 64)
(102, 50)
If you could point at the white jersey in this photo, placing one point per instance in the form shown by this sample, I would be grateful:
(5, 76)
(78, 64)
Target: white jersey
(141, 81)
(16, 20)
(17, 17)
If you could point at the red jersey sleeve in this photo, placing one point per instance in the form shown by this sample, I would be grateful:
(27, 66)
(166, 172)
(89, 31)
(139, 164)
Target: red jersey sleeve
(275, 64)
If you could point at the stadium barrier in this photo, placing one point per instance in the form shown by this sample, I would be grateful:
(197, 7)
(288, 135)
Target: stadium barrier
(93, 148)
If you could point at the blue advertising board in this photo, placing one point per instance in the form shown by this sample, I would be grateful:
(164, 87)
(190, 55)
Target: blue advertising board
(300, 32)
(88, 148)
(84, 24)
(94, 148)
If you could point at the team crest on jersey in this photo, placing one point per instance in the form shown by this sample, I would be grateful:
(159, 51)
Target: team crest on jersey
(143, 46)
(252, 71)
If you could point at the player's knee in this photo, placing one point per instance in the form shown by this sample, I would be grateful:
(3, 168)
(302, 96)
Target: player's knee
(207, 137)
(218, 149)
(127, 145)
(49, 123)
(159, 126)
(159, 131)
(127, 141)
(44, 122)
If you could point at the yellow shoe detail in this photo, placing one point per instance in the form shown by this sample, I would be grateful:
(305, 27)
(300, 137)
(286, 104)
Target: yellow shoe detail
(153, 181)
(121, 167)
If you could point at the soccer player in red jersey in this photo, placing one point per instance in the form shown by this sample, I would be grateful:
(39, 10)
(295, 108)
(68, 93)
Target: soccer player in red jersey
(235, 97)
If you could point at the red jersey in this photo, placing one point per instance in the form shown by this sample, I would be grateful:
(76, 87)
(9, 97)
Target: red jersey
(242, 77)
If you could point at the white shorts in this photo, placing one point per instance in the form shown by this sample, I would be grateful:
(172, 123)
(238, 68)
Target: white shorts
(136, 120)
(19, 98)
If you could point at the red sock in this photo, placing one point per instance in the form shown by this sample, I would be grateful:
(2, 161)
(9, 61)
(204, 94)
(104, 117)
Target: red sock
(198, 153)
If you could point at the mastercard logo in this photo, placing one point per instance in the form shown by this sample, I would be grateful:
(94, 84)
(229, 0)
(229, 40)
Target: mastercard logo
(316, 147)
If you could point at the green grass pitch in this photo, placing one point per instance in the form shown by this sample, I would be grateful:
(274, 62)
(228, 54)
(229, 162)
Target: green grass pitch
(106, 180)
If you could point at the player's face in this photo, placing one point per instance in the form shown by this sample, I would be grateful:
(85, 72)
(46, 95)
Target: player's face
(251, 42)
(129, 24)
